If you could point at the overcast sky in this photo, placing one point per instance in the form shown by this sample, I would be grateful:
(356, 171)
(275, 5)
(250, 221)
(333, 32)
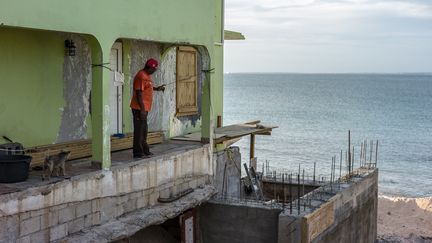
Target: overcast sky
(329, 36)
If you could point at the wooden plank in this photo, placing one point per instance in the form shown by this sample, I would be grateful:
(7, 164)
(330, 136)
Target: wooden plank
(82, 148)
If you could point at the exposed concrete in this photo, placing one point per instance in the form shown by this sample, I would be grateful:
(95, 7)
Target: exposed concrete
(228, 172)
(348, 214)
(132, 222)
(152, 234)
(238, 223)
(59, 209)
(76, 91)
(355, 213)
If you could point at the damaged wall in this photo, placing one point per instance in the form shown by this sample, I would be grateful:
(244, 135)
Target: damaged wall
(76, 91)
(163, 115)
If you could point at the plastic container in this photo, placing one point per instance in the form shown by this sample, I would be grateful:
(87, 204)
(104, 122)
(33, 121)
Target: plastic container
(14, 168)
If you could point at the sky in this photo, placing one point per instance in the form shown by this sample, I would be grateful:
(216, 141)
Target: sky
(329, 36)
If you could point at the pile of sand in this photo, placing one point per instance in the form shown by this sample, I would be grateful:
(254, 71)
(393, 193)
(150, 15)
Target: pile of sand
(404, 219)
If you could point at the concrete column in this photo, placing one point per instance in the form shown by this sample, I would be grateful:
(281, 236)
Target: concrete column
(100, 110)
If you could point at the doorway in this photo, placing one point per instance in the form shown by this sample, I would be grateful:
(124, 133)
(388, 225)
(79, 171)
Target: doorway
(116, 100)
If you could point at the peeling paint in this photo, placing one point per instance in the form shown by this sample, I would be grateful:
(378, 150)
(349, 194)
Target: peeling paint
(163, 115)
(76, 92)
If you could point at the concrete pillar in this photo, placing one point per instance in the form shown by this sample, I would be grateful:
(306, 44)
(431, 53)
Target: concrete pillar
(100, 110)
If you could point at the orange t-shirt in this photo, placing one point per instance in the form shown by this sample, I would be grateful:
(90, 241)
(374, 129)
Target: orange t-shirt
(143, 82)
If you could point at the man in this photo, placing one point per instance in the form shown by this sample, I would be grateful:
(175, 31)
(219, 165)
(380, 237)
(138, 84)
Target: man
(141, 104)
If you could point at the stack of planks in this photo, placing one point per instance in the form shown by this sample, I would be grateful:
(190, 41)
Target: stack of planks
(82, 148)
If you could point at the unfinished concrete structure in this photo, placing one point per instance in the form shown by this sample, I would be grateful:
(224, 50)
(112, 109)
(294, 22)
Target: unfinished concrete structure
(338, 211)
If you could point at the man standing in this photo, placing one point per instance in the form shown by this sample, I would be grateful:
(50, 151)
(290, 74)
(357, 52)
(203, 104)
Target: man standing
(141, 104)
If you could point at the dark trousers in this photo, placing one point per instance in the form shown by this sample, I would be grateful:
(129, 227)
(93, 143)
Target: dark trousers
(140, 146)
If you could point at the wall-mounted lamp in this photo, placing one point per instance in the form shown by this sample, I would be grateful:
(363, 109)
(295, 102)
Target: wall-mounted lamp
(70, 48)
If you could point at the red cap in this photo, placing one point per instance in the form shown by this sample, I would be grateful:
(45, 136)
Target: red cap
(151, 63)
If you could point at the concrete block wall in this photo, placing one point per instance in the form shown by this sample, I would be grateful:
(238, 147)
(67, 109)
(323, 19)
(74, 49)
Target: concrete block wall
(350, 215)
(51, 212)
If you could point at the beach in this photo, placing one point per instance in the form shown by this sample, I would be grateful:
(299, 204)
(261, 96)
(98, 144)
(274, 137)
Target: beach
(404, 219)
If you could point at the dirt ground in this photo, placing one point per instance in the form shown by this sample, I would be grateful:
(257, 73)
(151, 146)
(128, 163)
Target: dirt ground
(404, 219)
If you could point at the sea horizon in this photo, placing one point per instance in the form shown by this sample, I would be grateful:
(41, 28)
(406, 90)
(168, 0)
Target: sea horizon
(314, 113)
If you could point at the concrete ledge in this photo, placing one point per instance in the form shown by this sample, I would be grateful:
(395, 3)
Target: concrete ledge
(132, 222)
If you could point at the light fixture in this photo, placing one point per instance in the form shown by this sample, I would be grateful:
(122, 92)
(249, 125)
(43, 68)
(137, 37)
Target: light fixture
(70, 48)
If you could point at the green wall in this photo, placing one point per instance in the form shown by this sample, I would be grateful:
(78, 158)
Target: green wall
(195, 22)
(31, 85)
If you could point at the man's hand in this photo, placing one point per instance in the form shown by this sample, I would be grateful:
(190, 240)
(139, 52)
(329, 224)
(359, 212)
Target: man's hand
(160, 88)
(143, 115)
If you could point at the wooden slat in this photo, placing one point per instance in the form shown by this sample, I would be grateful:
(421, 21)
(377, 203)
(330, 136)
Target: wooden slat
(82, 148)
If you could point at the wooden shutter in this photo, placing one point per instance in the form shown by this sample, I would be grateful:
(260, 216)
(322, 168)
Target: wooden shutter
(187, 102)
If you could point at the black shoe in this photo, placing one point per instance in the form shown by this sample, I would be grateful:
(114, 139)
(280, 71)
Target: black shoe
(140, 156)
(148, 153)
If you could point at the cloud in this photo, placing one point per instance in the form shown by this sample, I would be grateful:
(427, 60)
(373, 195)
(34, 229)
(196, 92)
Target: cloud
(356, 25)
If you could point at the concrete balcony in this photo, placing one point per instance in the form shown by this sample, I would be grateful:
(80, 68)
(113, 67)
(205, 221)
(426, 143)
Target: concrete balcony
(89, 199)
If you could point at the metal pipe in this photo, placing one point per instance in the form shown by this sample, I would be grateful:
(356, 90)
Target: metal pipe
(291, 194)
(349, 152)
(298, 193)
(376, 154)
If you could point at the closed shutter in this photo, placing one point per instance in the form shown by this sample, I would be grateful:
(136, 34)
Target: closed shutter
(187, 102)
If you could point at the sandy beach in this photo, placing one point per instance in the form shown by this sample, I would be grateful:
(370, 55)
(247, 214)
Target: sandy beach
(404, 219)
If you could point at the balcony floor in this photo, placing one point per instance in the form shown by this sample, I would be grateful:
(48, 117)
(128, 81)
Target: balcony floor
(78, 167)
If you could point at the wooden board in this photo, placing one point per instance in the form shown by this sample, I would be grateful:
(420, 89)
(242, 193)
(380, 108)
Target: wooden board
(194, 137)
(82, 148)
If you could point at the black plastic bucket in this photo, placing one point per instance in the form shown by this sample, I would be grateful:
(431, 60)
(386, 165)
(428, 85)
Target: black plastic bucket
(14, 168)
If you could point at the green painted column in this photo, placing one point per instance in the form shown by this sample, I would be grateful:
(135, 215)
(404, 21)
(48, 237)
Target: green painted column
(206, 110)
(100, 110)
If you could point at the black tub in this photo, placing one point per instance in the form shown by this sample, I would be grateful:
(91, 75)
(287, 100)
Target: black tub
(14, 168)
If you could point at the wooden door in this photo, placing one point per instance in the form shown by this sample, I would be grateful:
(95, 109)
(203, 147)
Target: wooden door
(187, 81)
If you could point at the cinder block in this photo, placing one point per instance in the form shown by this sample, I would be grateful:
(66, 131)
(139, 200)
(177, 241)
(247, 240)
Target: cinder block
(83, 208)
(135, 195)
(25, 239)
(108, 208)
(96, 218)
(193, 183)
(96, 205)
(58, 232)
(122, 199)
(24, 215)
(9, 230)
(142, 201)
(40, 236)
(50, 219)
(39, 212)
(153, 197)
(67, 214)
(76, 225)
(30, 225)
(129, 206)
(58, 207)
(165, 193)
(88, 220)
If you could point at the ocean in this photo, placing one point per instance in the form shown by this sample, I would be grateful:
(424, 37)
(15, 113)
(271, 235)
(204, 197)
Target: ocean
(315, 111)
